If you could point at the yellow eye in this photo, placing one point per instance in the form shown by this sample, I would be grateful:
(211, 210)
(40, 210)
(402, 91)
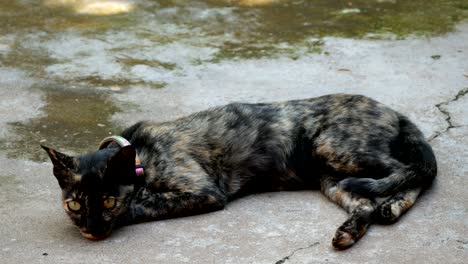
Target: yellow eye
(74, 205)
(109, 203)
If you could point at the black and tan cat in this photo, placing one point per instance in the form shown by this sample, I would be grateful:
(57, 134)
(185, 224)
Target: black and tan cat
(364, 156)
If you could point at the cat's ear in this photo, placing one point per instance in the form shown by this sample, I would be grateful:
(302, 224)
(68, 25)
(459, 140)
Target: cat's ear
(121, 166)
(63, 166)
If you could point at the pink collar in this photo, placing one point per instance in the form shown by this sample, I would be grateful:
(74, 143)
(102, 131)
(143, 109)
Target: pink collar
(123, 142)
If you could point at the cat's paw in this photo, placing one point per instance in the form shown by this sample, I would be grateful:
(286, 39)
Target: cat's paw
(343, 240)
(386, 213)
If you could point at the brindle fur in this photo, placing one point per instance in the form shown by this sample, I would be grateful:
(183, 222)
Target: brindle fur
(356, 150)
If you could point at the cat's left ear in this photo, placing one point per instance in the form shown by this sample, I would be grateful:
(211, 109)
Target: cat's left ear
(63, 165)
(122, 165)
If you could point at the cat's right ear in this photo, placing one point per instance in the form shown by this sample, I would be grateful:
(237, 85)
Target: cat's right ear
(63, 166)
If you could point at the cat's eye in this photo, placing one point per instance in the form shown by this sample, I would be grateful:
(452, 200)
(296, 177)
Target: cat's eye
(109, 202)
(74, 205)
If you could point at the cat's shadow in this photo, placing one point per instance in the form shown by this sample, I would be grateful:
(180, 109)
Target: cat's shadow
(68, 231)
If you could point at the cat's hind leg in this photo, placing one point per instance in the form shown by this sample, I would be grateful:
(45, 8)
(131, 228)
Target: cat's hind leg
(361, 210)
(391, 209)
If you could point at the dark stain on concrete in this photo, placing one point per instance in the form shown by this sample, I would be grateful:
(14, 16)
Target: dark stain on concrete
(74, 120)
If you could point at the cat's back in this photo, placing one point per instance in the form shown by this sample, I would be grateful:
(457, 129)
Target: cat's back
(243, 123)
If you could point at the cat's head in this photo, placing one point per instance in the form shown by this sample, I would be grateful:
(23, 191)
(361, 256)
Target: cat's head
(96, 187)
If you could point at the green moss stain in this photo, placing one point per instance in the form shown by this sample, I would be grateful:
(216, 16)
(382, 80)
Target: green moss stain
(129, 61)
(245, 31)
(73, 120)
(234, 51)
(287, 20)
(119, 83)
(30, 60)
(294, 21)
(263, 31)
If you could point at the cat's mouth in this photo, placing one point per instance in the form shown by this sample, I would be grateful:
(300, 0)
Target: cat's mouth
(94, 237)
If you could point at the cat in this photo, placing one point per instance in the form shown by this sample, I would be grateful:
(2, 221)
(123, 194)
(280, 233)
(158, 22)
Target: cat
(362, 155)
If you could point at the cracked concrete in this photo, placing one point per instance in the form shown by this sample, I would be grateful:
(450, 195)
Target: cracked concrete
(283, 260)
(448, 118)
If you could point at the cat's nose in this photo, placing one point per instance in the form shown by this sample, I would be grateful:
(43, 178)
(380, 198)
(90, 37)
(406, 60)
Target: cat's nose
(94, 230)
(92, 236)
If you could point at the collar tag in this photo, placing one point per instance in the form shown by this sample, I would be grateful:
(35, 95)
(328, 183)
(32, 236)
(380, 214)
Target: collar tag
(121, 141)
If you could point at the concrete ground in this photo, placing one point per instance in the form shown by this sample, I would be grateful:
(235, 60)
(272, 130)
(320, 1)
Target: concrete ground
(424, 78)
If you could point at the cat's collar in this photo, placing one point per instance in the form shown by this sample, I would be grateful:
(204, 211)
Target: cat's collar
(123, 142)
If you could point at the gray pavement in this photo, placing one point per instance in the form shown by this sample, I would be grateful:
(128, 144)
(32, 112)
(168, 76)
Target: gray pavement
(425, 78)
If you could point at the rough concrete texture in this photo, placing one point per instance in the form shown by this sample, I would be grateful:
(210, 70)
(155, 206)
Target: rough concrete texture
(282, 227)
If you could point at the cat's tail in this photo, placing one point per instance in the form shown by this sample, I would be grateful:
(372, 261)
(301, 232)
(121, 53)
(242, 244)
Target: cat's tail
(419, 166)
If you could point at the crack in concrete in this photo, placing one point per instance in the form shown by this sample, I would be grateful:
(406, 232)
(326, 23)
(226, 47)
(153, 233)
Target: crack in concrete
(283, 260)
(446, 113)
